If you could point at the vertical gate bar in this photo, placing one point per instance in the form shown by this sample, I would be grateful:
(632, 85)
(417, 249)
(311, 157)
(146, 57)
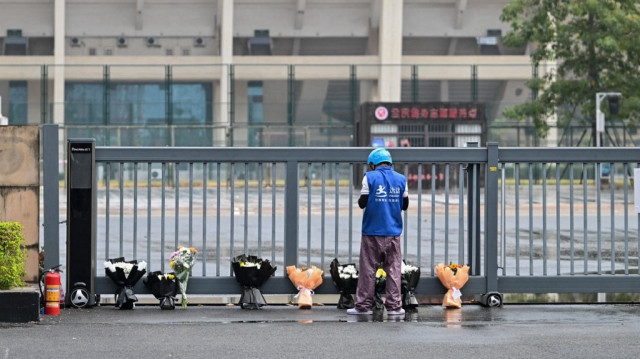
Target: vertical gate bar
(584, 216)
(405, 221)
(446, 213)
(350, 255)
(273, 213)
(177, 200)
(190, 204)
(491, 211)
(322, 215)
(218, 199)
(204, 219)
(544, 219)
(503, 235)
(108, 206)
(598, 174)
(135, 210)
(162, 214)
(638, 248)
(149, 214)
(433, 218)
(530, 218)
(461, 228)
(308, 214)
(419, 234)
(337, 214)
(232, 214)
(571, 222)
(613, 218)
(626, 219)
(246, 208)
(291, 214)
(517, 200)
(260, 173)
(557, 218)
(475, 223)
(121, 187)
(51, 193)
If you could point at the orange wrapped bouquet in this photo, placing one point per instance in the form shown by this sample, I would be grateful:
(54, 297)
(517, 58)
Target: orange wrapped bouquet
(305, 280)
(453, 277)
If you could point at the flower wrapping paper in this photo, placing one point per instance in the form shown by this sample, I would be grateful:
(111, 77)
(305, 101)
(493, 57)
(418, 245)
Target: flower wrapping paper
(115, 269)
(410, 279)
(182, 261)
(346, 286)
(305, 279)
(163, 287)
(251, 272)
(453, 282)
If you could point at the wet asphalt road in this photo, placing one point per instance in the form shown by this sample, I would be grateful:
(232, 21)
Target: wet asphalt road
(281, 331)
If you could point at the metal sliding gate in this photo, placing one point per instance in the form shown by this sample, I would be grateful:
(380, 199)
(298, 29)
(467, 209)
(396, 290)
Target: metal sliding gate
(527, 220)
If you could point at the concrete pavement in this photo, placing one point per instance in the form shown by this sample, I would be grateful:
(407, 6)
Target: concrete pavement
(284, 331)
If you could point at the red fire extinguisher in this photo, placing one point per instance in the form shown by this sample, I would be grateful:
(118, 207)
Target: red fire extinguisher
(52, 292)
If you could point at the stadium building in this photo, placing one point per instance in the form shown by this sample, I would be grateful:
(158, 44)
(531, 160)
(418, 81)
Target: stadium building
(261, 72)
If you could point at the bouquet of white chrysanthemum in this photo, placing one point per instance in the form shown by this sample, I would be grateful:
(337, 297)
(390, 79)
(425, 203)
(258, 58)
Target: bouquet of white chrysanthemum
(125, 275)
(410, 279)
(164, 287)
(251, 272)
(345, 278)
(182, 261)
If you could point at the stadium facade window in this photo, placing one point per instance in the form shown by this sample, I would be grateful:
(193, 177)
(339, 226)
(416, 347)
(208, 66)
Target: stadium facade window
(136, 108)
(18, 102)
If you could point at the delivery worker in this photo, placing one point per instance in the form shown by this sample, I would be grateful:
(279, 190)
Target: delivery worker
(383, 197)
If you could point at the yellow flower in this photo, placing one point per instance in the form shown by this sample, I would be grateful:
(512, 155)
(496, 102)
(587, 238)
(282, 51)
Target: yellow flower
(241, 264)
(180, 247)
(381, 273)
(170, 276)
(172, 264)
(193, 250)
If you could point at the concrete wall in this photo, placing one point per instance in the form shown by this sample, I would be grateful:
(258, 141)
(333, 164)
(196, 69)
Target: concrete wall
(20, 186)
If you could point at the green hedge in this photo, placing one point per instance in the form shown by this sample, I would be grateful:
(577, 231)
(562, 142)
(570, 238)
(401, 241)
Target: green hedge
(12, 254)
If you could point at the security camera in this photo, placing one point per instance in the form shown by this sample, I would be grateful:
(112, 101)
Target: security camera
(75, 42)
(151, 41)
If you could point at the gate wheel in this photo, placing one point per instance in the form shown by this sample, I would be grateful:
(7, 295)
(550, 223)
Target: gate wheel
(492, 299)
(79, 297)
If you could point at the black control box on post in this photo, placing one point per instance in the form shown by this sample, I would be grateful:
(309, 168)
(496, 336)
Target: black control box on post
(81, 210)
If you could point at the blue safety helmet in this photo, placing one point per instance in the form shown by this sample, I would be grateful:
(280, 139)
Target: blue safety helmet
(378, 156)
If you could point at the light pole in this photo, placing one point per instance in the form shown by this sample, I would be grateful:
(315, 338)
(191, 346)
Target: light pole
(600, 115)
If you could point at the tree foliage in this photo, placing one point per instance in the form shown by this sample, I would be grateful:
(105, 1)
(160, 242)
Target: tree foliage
(596, 46)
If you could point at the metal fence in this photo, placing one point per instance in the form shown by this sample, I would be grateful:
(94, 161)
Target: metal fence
(527, 220)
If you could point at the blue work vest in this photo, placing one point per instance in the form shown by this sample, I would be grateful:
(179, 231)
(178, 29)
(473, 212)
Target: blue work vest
(383, 214)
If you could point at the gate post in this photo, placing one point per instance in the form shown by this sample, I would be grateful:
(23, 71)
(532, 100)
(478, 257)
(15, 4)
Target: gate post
(291, 215)
(51, 195)
(473, 215)
(81, 202)
(491, 219)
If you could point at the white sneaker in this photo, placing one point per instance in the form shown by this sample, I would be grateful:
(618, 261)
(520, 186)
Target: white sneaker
(396, 312)
(354, 311)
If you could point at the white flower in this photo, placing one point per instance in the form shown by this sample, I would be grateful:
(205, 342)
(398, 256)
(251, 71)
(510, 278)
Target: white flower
(354, 276)
(110, 266)
(142, 265)
(408, 268)
(126, 267)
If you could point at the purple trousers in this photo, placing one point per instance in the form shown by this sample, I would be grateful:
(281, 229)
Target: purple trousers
(373, 251)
